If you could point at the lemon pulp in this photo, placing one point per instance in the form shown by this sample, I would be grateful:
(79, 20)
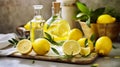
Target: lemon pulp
(71, 47)
(24, 46)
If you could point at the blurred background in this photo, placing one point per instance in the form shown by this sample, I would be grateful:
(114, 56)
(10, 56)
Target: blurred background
(17, 12)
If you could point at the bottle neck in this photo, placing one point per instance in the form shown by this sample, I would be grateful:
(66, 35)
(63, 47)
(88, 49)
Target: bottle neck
(56, 12)
(37, 12)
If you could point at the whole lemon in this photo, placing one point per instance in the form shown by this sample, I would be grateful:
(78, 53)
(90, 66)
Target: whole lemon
(106, 18)
(103, 45)
(27, 26)
(75, 34)
(41, 46)
(81, 41)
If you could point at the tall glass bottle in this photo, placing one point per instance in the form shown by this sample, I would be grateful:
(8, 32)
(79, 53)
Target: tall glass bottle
(36, 24)
(57, 27)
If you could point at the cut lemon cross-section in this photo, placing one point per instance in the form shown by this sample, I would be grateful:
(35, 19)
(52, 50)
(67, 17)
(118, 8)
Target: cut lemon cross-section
(71, 47)
(24, 46)
(85, 51)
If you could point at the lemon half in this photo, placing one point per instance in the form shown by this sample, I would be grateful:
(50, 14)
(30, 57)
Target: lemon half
(24, 46)
(71, 47)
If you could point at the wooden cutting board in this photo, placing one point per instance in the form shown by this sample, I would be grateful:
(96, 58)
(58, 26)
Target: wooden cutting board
(75, 60)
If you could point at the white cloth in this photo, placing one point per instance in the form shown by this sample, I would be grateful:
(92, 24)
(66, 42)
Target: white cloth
(4, 39)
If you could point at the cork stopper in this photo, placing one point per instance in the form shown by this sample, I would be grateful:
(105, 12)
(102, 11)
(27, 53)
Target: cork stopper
(56, 6)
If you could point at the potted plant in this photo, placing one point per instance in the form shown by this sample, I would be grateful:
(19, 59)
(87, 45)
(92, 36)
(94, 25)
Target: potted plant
(87, 19)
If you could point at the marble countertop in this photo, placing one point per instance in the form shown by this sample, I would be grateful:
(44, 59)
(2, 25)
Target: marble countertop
(112, 61)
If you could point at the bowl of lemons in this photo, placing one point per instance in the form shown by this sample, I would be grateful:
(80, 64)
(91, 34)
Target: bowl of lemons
(108, 26)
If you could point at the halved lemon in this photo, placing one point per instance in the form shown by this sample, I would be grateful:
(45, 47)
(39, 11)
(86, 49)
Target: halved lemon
(85, 51)
(24, 46)
(71, 47)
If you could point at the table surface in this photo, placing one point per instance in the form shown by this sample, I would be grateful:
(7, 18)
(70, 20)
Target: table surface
(112, 61)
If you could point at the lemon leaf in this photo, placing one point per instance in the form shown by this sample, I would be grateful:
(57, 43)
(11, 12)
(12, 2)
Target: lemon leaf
(94, 65)
(33, 61)
(86, 43)
(52, 20)
(13, 42)
(50, 39)
(16, 41)
(92, 38)
(54, 50)
(114, 47)
(67, 56)
(88, 21)
(48, 35)
(83, 8)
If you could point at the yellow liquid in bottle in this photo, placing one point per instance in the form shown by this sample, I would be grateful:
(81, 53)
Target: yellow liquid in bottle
(36, 30)
(58, 29)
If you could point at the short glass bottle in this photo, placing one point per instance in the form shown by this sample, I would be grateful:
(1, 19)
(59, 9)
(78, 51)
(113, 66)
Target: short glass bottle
(36, 24)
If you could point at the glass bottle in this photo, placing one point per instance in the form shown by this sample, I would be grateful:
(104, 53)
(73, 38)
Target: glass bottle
(36, 24)
(57, 27)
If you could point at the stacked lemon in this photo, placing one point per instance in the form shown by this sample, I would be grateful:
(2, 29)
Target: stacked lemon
(75, 44)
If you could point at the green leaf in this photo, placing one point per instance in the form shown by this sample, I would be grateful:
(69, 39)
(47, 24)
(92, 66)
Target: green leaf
(88, 22)
(16, 41)
(95, 14)
(86, 42)
(67, 56)
(92, 38)
(54, 50)
(10, 41)
(94, 65)
(33, 61)
(52, 20)
(79, 15)
(51, 40)
(114, 47)
(48, 35)
(83, 8)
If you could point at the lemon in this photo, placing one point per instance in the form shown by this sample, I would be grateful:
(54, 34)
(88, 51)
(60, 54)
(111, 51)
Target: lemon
(34, 25)
(75, 34)
(81, 42)
(105, 18)
(103, 45)
(27, 26)
(41, 46)
(24, 46)
(85, 51)
(71, 47)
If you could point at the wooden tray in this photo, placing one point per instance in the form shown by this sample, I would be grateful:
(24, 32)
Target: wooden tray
(76, 60)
